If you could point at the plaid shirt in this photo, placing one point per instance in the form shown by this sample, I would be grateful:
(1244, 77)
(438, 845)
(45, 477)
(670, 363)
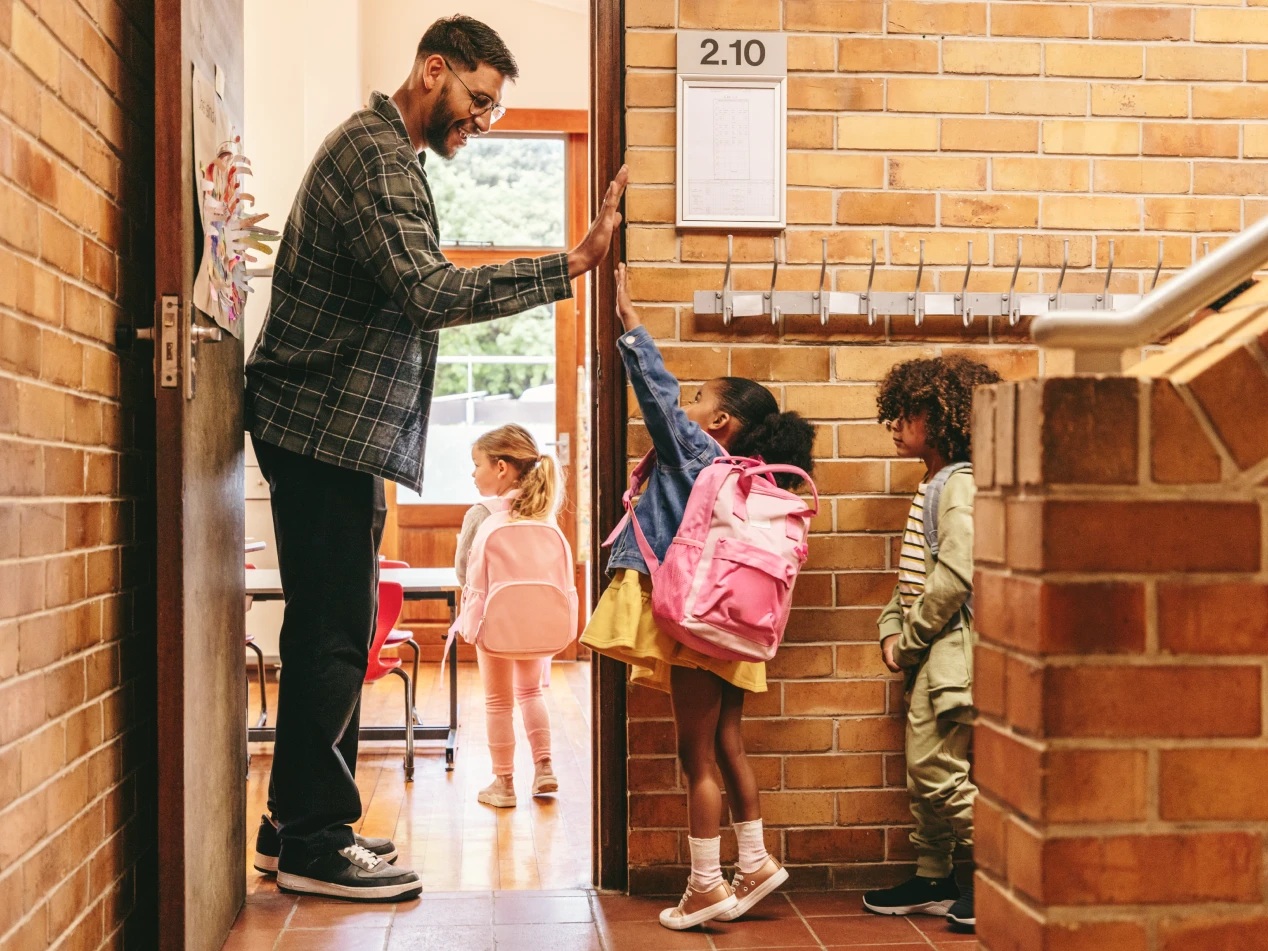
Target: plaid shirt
(344, 367)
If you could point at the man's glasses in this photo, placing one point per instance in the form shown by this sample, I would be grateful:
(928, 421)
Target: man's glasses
(480, 103)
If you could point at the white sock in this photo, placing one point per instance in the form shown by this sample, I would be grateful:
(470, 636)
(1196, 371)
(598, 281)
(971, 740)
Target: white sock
(753, 855)
(706, 863)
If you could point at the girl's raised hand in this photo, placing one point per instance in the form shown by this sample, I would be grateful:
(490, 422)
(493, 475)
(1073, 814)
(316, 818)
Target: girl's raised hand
(624, 306)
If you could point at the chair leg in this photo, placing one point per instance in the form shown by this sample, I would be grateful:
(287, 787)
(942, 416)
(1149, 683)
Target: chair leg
(409, 724)
(413, 645)
(263, 675)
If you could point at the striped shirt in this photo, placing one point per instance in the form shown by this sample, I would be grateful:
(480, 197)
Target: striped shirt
(911, 560)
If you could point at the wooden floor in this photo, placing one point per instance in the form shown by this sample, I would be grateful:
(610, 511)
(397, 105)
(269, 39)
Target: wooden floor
(442, 832)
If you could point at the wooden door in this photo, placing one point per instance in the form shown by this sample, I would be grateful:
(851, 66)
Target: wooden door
(201, 678)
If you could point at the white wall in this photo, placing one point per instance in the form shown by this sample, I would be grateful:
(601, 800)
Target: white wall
(550, 40)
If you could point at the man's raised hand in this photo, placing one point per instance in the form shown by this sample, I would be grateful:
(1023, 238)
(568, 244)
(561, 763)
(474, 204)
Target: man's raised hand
(594, 246)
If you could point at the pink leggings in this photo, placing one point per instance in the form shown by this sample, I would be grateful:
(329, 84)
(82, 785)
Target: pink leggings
(506, 681)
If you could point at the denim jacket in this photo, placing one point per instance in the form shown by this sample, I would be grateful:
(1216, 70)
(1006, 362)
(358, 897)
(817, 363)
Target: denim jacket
(682, 450)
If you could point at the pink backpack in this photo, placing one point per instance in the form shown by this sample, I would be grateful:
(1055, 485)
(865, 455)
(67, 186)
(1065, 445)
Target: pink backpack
(725, 586)
(520, 600)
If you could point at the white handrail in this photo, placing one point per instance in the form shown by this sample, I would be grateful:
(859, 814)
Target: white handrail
(1099, 338)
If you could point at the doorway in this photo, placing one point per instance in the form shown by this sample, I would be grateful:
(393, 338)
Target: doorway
(521, 191)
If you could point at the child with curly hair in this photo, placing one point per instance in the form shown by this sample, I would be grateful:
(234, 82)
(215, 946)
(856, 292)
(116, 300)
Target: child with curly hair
(926, 630)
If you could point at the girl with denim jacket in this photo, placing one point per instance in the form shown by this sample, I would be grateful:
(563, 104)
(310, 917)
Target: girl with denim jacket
(729, 416)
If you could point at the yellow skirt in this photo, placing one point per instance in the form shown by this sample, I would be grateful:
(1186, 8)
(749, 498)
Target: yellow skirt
(622, 627)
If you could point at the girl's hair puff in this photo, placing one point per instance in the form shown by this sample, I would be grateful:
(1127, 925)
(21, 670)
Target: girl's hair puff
(538, 475)
(779, 438)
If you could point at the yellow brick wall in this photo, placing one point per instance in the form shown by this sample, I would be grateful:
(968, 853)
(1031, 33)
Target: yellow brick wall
(952, 122)
(77, 648)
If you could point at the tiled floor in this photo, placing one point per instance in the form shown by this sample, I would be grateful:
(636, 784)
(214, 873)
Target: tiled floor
(572, 921)
(442, 832)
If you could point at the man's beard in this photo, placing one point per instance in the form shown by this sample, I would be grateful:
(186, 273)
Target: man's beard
(438, 125)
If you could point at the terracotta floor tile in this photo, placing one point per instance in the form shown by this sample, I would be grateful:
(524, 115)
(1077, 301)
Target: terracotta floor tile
(322, 913)
(475, 908)
(759, 933)
(445, 937)
(865, 929)
(567, 936)
(648, 935)
(772, 906)
(254, 940)
(815, 904)
(613, 908)
(325, 939)
(511, 908)
(266, 911)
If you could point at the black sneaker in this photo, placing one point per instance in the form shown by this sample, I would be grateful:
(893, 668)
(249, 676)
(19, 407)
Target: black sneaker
(916, 896)
(354, 873)
(268, 846)
(961, 916)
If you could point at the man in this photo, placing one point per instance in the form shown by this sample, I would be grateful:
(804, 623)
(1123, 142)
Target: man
(338, 393)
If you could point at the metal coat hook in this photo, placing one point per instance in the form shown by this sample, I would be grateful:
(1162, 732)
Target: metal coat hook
(1014, 313)
(1206, 248)
(823, 273)
(914, 298)
(963, 297)
(774, 272)
(1109, 272)
(1158, 268)
(724, 295)
(867, 296)
(1065, 262)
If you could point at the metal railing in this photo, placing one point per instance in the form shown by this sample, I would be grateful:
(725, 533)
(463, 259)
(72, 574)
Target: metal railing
(1099, 338)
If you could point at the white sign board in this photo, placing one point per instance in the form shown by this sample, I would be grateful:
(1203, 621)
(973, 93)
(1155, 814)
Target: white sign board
(732, 108)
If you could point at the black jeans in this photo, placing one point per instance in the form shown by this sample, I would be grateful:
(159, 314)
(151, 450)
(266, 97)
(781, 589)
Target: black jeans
(328, 524)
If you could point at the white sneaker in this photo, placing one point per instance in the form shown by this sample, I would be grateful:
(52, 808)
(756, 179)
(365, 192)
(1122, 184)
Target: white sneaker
(499, 793)
(751, 888)
(544, 780)
(698, 907)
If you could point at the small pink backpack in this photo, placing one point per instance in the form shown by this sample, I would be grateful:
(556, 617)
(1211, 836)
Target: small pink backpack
(725, 586)
(520, 600)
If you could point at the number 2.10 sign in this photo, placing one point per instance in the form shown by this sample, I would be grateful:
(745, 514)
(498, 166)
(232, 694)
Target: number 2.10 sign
(732, 107)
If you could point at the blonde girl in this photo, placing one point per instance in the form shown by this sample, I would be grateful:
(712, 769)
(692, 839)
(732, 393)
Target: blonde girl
(508, 464)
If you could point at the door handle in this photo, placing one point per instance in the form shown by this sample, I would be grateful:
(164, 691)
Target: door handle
(194, 335)
(564, 445)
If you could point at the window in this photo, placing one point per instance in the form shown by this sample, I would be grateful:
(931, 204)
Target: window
(499, 193)
(502, 192)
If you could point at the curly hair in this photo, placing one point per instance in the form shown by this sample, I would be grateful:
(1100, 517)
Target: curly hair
(942, 388)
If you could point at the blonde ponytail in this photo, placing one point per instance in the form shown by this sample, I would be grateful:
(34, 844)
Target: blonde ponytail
(538, 489)
(538, 481)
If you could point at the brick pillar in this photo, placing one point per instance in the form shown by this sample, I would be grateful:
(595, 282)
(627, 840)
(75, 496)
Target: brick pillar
(1122, 602)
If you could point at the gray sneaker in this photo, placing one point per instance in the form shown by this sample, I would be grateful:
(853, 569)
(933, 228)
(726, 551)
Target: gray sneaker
(354, 873)
(268, 846)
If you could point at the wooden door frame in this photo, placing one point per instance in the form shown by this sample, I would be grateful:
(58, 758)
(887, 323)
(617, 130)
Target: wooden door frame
(608, 420)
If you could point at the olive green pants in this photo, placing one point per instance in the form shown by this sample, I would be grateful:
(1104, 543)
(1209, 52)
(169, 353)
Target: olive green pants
(938, 779)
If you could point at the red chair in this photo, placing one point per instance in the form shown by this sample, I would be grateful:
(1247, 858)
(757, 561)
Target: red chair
(391, 598)
(402, 638)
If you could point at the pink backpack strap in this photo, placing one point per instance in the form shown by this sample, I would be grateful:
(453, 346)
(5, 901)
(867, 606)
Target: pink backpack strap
(640, 475)
(745, 486)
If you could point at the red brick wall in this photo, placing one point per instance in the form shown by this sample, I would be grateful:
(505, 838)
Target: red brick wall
(1122, 594)
(949, 122)
(76, 535)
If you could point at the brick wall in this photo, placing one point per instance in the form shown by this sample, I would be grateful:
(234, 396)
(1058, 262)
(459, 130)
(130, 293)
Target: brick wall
(948, 121)
(1123, 605)
(76, 516)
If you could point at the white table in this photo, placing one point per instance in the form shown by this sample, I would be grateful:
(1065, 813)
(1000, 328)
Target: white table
(419, 584)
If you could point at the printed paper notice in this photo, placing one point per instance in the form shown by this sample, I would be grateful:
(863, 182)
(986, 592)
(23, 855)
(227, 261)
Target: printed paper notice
(731, 153)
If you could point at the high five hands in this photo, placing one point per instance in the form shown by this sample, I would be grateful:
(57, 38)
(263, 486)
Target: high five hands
(594, 246)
